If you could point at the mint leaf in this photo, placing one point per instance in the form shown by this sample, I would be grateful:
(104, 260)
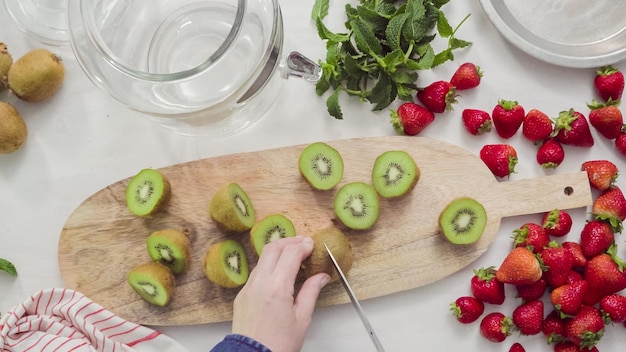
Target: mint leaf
(364, 37)
(324, 33)
(332, 105)
(383, 93)
(7, 266)
(443, 26)
(393, 33)
(320, 9)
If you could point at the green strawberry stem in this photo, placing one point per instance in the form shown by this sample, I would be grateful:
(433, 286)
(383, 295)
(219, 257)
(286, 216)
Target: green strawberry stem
(612, 252)
(564, 121)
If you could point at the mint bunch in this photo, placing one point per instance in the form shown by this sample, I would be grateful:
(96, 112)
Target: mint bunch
(7, 266)
(387, 43)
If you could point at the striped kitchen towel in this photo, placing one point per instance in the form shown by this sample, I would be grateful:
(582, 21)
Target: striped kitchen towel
(64, 320)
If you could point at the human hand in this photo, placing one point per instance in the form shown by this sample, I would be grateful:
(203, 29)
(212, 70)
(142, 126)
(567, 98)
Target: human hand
(265, 309)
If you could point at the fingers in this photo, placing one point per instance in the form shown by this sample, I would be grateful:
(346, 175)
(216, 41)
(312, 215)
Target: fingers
(307, 297)
(272, 252)
(290, 261)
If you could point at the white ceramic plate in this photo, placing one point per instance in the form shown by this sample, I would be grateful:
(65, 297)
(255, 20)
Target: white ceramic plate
(572, 33)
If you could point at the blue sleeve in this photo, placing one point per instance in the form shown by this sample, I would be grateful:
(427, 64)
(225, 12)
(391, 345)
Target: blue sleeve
(239, 343)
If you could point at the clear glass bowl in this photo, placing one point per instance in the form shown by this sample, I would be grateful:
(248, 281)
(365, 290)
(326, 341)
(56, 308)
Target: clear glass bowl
(44, 20)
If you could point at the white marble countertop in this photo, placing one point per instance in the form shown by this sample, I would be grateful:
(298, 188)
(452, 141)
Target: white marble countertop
(81, 141)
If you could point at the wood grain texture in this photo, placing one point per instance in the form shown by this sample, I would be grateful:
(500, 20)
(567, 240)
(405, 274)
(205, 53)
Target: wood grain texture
(102, 240)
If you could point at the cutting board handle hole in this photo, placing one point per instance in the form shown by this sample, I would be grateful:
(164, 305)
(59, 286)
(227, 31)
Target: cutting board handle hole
(568, 190)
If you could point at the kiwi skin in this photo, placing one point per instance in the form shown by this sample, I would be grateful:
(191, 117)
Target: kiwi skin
(159, 276)
(225, 214)
(6, 60)
(13, 130)
(180, 239)
(213, 264)
(319, 260)
(36, 76)
(448, 230)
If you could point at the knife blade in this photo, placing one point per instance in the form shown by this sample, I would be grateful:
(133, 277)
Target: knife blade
(355, 303)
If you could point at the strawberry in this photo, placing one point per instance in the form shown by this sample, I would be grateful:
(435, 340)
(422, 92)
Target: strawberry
(557, 262)
(557, 223)
(411, 119)
(467, 309)
(610, 206)
(595, 238)
(507, 117)
(528, 317)
(576, 250)
(620, 142)
(467, 76)
(606, 118)
(586, 328)
(567, 299)
(485, 287)
(536, 126)
(531, 235)
(519, 267)
(613, 308)
(553, 327)
(533, 291)
(569, 346)
(438, 96)
(602, 174)
(501, 159)
(609, 83)
(573, 276)
(495, 327)
(517, 347)
(476, 121)
(605, 275)
(571, 128)
(550, 154)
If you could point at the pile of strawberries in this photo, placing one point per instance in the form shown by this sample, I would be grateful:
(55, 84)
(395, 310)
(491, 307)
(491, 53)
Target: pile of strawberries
(579, 280)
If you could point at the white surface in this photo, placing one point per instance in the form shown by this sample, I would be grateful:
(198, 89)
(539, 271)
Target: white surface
(81, 141)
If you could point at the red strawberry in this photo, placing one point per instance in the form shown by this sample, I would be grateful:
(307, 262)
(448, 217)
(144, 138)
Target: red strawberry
(620, 142)
(519, 267)
(531, 235)
(485, 287)
(569, 346)
(595, 238)
(610, 206)
(532, 292)
(467, 76)
(613, 307)
(467, 309)
(567, 299)
(557, 223)
(501, 159)
(550, 154)
(602, 174)
(537, 126)
(507, 117)
(528, 317)
(571, 128)
(411, 119)
(609, 83)
(557, 262)
(586, 328)
(476, 121)
(606, 118)
(576, 250)
(573, 276)
(438, 96)
(605, 275)
(517, 347)
(495, 327)
(554, 327)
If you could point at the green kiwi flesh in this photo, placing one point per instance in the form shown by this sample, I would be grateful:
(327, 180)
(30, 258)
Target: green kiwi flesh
(394, 173)
(321, 166)
(147, 192)
(170, 247)
(357, 205)
(226, 264)
(463, 220)
(153, 282)
(232, 209)
(269, 229)
(319, 260)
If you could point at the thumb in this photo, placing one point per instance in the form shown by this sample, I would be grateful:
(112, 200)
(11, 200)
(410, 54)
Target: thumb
(308, 294)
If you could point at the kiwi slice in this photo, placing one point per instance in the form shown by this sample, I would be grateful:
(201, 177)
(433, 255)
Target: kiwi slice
(147, 192)
(269, 229)
(321, 166)
(463, 220)
(394, 173)
(153, 281)
(170, 247)
(226, 264)
(357, 205)
(319, 260)
(231, 209)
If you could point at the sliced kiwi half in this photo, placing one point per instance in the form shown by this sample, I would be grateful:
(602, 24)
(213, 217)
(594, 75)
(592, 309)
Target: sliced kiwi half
(394, 173)
(170, 247)
(357, 205)
(147, 192)
(153, 281)
(463, 220)
(319, 260)
(231, 209)
(269, 229)
(226, 264)
(321, 166)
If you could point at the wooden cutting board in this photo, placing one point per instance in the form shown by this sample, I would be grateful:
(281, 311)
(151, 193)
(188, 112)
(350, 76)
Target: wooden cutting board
(102, 240)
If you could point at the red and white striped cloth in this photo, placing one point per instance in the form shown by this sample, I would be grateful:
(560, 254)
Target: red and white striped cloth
(63, 320)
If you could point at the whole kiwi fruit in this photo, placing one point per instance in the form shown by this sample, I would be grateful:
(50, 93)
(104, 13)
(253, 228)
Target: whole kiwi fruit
(6, 60)
(36, 76)
(319, 260)
(13, 130)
